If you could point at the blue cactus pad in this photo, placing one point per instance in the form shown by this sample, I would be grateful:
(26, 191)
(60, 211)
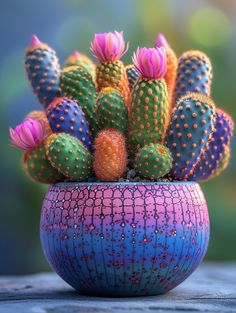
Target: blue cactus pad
(210, 158)
(66, 116)
(191, 124)
(43, 71)
(194, 74)
(132, 75)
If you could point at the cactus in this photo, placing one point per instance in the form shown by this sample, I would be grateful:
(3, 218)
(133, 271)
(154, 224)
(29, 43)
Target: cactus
(36, 165)
(108, 48)
(172, 64)
(110, 156)
(210, 158)
(223, 163)
(111, 110)
(68, 155)
(41, 117)
(77, 83)
(30, 137)
(66, 116)
(80, 59)
(191, 125)
(132, 75)
(43, 71)
(194, 74)
(149, 110)
(153, 161)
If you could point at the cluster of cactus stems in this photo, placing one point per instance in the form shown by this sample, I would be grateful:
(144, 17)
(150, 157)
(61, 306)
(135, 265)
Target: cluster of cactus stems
(154, 116)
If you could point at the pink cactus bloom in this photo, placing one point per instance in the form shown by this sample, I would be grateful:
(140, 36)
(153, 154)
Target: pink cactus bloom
(161, 41)
(28, 135)
(76, 54)
(35, 43)
(109, 46)
(150, 62)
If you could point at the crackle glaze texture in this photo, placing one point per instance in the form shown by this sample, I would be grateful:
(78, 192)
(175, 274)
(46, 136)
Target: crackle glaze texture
(124, 239)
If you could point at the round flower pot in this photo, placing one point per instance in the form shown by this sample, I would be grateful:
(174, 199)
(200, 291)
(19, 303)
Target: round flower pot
(124, 239)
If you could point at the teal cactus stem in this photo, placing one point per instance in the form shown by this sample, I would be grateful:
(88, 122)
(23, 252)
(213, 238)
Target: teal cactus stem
(43, 71)
(190, 128)
(194, 74)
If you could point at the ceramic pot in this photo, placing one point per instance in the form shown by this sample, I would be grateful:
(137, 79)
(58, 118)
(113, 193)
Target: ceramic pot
(124, 239)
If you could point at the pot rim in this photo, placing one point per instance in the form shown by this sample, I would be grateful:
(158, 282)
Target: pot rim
(74, 184)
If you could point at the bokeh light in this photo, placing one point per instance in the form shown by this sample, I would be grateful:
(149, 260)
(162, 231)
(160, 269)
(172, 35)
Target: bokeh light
(209, 27)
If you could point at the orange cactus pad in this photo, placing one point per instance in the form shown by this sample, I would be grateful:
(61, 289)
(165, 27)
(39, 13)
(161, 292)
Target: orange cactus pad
(170, 76)
(172, 65)
(110, 156)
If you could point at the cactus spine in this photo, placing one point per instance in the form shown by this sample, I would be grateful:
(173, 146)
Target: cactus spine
(111, 110)
(66, 116)
(191, 125)
(194, 74)
(110, 157)
(43, 71)
(153, 161)
(68, 155)
(77, 84)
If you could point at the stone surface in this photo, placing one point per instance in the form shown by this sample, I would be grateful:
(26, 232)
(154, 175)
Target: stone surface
(211, 288)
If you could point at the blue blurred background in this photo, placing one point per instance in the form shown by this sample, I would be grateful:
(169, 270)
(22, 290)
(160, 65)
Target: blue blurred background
(68, 24)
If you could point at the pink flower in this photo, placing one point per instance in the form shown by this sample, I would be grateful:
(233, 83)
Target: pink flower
(76, 53)
(161, 41)
(109, 46)
(150, 62)
(35, 43)
(28, 135)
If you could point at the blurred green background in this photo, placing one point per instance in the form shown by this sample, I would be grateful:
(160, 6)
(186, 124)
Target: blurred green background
(65, 25)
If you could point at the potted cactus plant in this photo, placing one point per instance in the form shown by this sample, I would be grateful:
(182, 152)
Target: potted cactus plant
(123, 149)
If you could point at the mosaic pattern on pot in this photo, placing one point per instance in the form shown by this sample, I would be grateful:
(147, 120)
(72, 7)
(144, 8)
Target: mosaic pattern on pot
(124, 239)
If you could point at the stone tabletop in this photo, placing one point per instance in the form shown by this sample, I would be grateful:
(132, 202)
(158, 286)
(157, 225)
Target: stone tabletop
(211, 288)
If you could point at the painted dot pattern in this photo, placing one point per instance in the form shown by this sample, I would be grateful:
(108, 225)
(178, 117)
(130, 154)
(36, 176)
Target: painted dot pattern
(124, 239)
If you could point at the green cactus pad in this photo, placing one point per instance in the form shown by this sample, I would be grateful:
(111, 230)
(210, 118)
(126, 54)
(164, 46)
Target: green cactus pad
(36, 165)
(80, 59)
(111, 110)
(153, 161)
(76, 83)
(149, 112)
(69, 156)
